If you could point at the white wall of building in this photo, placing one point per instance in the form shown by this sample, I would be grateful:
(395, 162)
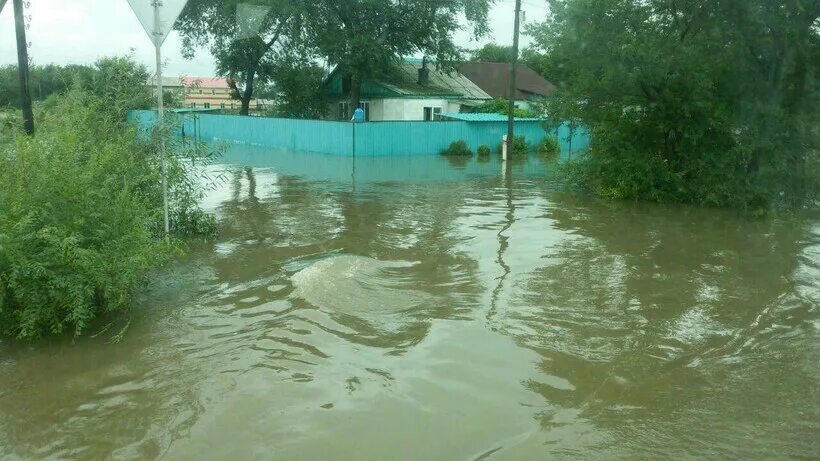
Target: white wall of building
(411, 109)
(402, 109)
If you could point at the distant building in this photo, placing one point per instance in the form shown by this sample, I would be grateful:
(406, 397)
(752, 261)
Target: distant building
(211, 93)
(494, 78)
(206, 93)
(414, 90)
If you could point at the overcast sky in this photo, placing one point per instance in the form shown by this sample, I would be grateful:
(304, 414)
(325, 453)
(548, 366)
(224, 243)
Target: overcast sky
(80, 31)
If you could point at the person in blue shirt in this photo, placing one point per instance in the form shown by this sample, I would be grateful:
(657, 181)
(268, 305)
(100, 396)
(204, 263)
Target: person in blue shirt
(358, 115)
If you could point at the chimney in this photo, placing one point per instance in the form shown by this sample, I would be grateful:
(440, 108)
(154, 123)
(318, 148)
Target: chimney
(424, 73)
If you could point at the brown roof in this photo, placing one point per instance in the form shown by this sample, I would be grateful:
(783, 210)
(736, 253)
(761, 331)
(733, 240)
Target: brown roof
(494, 78)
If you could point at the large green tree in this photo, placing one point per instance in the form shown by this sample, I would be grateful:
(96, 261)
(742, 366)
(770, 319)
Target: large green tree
(247, 39)
(492, 52)
(366, 37)
(703, 101)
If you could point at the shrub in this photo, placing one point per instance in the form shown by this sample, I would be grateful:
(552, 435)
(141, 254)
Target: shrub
(81, 216)
(458, 148)
(520, 147)
(549, 149)
(483, 150)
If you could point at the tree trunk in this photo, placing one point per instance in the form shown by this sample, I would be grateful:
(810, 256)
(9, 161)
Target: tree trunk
(247, 94)
(355, 92)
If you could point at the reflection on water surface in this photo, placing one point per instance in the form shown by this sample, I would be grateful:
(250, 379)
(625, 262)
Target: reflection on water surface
(408, 308)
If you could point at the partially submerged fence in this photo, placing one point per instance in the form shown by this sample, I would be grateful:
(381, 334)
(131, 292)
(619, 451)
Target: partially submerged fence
(369, 138)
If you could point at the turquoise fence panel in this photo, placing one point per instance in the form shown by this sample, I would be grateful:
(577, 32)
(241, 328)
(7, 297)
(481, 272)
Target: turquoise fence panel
(298, 135)
(143, 118)
(407, 138)
(362, 139)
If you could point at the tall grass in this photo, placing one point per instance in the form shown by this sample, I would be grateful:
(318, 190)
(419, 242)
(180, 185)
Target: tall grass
(80, 214)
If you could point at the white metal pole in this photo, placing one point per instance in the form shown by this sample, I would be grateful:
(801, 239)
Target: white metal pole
(160, 116)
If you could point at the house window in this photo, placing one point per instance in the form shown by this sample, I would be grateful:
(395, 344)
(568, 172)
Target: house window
(366, 107)
(221, 105)
(432, 113)
(207, 105)
(193, 105)
(213, 91)
(233, 106)
(200, 91)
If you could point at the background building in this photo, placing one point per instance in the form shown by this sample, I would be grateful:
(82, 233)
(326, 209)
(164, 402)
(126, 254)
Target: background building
(414, 90)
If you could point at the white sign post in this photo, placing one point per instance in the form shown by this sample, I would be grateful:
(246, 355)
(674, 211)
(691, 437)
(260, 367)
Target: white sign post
(157, 18)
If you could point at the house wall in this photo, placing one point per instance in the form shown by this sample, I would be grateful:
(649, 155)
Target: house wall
(413, 109)
(396, 109)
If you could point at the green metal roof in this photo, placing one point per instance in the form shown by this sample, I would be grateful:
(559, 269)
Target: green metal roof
(486, 117)
(402, 82)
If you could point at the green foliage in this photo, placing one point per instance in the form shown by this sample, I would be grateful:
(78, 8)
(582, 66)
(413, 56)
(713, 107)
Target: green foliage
(54, 80)
(119, 85)
(458, 148)
(248, 41)
(502, 106)
(520, 147)
(366, 37)
(711, 103)
(484, 150)
(81, 210)
(43, 81)
(493, 53)
(549, 149)
(299, 92)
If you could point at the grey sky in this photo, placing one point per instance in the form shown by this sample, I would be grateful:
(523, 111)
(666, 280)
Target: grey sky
(80, 31)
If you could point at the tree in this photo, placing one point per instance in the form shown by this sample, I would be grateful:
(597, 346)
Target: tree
(366, 37)
(298, 92)
(710, 102)
(245, 39)
(492, 53)
(502, 106)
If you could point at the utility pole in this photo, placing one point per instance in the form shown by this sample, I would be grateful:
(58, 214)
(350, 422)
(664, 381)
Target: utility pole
(157, 4)
(22, 66)
(513, 72)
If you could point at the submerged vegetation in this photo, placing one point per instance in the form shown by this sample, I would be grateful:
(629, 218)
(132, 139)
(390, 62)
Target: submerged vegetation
(549, 149)
(81, 207)
(458, 148)
(520, 147)
(712, 103)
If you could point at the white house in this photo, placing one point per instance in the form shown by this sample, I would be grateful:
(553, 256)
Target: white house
(414, 90)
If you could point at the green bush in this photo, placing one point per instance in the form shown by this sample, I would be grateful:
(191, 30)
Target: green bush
(502, 106)
(483, 150)
(520, 147)
(549, 150)
(81, 215)
(458, 148)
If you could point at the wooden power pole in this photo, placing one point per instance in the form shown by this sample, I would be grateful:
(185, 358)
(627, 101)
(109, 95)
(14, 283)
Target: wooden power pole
(22, 67)
(513, 72)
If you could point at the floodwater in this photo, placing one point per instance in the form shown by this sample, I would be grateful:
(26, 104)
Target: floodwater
(419, 308)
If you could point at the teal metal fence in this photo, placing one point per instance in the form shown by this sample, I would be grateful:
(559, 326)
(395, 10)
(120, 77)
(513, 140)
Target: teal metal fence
(371, 138)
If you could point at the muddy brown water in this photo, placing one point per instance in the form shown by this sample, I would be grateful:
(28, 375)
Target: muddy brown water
(419, 308)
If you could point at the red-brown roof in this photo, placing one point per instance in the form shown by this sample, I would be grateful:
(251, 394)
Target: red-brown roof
(206, 82)
(494, 78)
